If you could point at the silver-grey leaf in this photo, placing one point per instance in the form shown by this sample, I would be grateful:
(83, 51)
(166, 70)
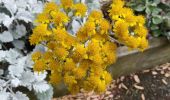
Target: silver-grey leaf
(47, 95)
(41, 86)
(20, 96)
(6, 36)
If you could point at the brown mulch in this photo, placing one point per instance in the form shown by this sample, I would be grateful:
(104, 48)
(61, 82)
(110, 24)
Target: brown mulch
(152, 84)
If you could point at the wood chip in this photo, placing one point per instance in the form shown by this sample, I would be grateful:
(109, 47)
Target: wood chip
(136, 78)
(138, 87)
(142, 96)
(124, 86)
(163, 80)
(154, 73)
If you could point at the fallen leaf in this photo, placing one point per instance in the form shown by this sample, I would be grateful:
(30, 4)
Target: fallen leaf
(167, 75)
(136, 78)
(146, 71)
(138, 87)
(163, 80)
(143, 96)
(154, 73)
(124, 86)
(162, 72)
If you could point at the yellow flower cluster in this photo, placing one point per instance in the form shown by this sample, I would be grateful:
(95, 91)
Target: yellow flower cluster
(79, 60)
(128, 28)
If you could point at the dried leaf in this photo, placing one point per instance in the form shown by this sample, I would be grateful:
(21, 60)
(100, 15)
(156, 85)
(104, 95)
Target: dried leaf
(136, 78)
(167, 75)
(138, 87)
(124, 86)
(142, 96)
(154, 73)
(165, 82)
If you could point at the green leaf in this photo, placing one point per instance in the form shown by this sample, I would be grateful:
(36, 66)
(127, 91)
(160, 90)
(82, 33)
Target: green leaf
(139, 7)
(156, 2)
(157, 19)
(154, 27)
(156, 11)
(167, 22)
(157, 33)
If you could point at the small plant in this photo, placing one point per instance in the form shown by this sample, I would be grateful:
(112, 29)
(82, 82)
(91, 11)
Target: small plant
(79, 57)
(157, 13)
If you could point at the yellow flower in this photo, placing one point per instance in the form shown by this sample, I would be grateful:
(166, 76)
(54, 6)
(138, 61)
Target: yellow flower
(133, 42)
(51, 6)
(93, 47)
(80, 9)
(115, 12)
(39, 65)
(140, 20)
(60, 34)
(42, 18)
(109, 47)
(55, 78)
(84, 64)
(104, 26)
(144, 44)
(69, 65)
(79, 73)
(67, 4)
(107, 77)
(42, 30)
(90, 28)
(121, 29)
(130, 19)
(82, 34)
(101, 87)
(141, 31)
(61, 52)
(110, 58)
(95, 15)
(70, 80)
(35, 39)
(53, 65)
(36, 55)
(80, 49)
(59, 18)
(75, 88)
(51, 45)
(119, 3)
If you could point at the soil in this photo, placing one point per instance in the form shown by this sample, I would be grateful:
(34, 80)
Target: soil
(152, 84)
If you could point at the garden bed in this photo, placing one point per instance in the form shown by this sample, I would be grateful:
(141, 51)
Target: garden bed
(133, 61)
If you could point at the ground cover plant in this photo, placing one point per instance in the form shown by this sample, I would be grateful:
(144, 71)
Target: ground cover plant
(157, 13)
